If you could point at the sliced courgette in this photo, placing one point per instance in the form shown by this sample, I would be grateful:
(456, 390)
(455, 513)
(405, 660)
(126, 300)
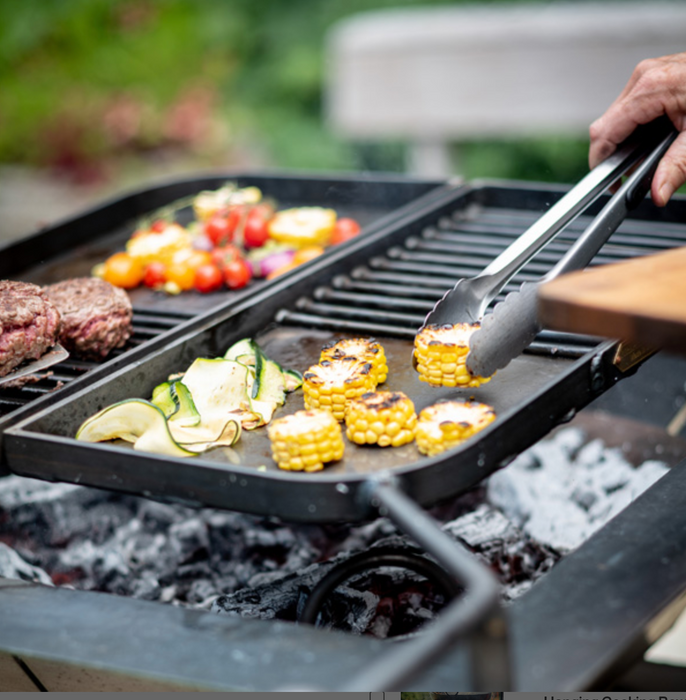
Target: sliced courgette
(244, 348)
(248, 352)
(269, 383)
(134, 420)
(176, 403)
(162, 398)
(199, 438)
(263, 410)
(187, 413)
(292, 379)
(220, 389)
(217, 386)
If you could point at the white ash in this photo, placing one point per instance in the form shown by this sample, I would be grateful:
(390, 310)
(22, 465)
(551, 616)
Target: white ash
(12, 566)
(562, 490)
(544, 504)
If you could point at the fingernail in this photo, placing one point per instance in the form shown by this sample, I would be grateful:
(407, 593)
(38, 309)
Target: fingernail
(664, 193)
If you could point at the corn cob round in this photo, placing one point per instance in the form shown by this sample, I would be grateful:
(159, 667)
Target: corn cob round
(440, 355)
(332, 383)
(365, 349)
(305, 440)
(384, 418)
(448, 423)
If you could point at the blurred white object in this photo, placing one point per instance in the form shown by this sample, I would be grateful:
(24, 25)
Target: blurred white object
(439, 75)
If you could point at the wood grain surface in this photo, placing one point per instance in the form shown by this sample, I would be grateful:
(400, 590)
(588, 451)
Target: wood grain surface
(641, 300)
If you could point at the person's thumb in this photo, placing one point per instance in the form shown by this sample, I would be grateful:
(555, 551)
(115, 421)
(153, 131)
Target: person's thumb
(671, 172)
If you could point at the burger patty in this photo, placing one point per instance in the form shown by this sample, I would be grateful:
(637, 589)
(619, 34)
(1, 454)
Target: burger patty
(96, 316)
(29, 324)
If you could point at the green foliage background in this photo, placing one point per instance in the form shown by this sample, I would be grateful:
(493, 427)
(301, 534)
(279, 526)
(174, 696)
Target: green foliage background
(64, 63)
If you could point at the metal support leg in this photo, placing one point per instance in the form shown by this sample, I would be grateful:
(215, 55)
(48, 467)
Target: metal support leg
(474, 618)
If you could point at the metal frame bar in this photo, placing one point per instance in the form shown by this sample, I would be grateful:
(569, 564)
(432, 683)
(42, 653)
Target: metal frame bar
(474, 617)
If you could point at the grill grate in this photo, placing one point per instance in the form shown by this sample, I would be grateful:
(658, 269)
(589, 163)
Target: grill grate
(392, 293)
(146, 325)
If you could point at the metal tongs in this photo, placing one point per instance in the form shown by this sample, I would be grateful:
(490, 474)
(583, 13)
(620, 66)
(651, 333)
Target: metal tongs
(512, 326)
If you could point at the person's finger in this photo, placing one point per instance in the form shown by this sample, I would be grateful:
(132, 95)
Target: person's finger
(657, 86)
(619, 122)
(670, 173)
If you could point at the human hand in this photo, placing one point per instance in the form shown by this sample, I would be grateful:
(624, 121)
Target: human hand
(657, 86)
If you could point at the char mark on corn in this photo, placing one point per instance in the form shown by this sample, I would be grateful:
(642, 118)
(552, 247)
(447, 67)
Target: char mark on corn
(446, 424)
(364, 349)
(440, 355)
(332, 383)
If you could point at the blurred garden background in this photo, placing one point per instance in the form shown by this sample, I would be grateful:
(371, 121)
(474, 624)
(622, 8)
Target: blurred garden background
(97, 96)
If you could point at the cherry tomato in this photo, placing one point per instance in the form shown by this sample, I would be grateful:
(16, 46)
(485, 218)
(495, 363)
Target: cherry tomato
(255, 233)
(208, 278)
(225, 254)
(237, 273)
(218, 229)
(182, 274)
(155, 274)
(122, 270)
(344, 230)
(236, 216)
(159, 225)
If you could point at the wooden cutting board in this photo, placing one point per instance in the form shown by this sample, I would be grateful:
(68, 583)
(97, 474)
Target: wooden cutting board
(642, 300)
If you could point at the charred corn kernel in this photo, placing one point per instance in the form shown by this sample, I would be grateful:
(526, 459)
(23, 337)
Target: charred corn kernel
(440, 355)
(365, 349)
(384, 418)
(448, 423)
(305, 440)
(333, 383)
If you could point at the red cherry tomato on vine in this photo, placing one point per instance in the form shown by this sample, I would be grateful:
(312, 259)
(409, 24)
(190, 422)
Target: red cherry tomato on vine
(159, 225)
(155, 274)
(208, 278)
(255, 233)
(344, 230)
(218, 229)
(237, 273)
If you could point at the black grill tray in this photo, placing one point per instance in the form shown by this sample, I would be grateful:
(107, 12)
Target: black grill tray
(72, 247)
(389, 272)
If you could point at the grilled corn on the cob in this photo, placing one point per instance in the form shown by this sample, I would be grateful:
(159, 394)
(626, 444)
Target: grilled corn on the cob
(306, 440)
(384, 418)
(448, 423)
(365, 349)
(332, 383)
(440, 354)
